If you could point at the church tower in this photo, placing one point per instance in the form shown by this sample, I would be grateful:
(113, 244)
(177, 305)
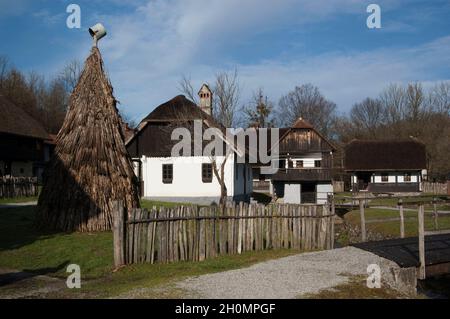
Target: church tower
(206, 97)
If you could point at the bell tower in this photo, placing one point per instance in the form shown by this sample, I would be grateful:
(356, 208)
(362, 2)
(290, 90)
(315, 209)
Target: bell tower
(206, 96)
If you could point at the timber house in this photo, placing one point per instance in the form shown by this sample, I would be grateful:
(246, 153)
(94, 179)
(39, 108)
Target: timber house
(305, 166)
(386, 166)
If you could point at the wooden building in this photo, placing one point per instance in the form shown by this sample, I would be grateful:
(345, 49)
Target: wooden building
(305, 166)
(185, 177)
(24, 144)
(386, 166)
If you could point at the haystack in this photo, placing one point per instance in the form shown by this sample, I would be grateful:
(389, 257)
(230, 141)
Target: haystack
(90, 167)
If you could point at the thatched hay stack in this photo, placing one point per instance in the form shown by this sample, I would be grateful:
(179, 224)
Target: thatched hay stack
(90, 167)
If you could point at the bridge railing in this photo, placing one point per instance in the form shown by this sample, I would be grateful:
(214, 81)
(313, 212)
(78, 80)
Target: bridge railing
(364, 202)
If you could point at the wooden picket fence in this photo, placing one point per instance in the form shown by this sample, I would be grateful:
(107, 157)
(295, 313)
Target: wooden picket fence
(13, 187)
(436, 188)
(191, 233)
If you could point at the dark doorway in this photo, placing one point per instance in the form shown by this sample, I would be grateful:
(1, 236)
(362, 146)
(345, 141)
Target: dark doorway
(308, 193)
(363, 180)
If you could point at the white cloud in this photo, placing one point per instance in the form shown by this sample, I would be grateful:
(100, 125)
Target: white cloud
(148, 50)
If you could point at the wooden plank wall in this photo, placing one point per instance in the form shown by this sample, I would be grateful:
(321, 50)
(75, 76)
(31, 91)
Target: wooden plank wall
(190, 233)
(12, 187)
(435, 188)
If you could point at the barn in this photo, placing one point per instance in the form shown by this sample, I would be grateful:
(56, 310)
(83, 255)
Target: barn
(386, 165)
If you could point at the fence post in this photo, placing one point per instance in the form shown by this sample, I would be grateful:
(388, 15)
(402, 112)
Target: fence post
(363, 220)
(119, 234)
(421, 216)
(402, 218)
(435, 213)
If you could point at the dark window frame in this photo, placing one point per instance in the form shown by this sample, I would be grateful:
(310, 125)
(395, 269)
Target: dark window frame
(167, 173)
(318, 163)
(207, 173)
(384, 178)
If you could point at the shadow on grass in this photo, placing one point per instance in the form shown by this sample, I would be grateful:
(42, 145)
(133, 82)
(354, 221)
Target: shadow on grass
(14, 277)
(17, 227)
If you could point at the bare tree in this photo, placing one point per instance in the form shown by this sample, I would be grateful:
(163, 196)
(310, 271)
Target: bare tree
(70, 75)
(439, 98)
(393, 99)
(307, 102)
(185, 86)
(368, 115)
(258, 112)
(226, 94)
(226, 97)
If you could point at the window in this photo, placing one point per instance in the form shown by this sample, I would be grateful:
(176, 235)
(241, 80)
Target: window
(318, 163)
(299, 164)
(385, 178)
(407, 177)
(167, 173)
(207, 173)
(290, 163)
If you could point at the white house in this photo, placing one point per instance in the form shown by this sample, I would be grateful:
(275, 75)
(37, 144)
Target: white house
(189, 177)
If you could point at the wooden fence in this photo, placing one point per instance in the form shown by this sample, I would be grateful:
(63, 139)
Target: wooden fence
(435, 188)
(422, 232)
(190, 233)
(12, 187)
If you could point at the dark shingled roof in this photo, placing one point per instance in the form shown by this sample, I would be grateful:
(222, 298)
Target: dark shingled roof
(385, 155)
(14, 120)
(180, 109)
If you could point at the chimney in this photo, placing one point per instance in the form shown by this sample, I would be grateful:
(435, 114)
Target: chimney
(206, 96)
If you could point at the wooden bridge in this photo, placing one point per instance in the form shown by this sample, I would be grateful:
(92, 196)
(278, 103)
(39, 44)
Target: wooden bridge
(429, 252)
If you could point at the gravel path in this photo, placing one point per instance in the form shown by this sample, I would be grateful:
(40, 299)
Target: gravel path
(289, 277)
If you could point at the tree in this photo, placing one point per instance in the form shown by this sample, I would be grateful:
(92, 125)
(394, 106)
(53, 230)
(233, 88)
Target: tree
(226, 94)
(185, 86)
(368, 115)
(70, 75)
(258, 112)
(226, 97)
(307, 102)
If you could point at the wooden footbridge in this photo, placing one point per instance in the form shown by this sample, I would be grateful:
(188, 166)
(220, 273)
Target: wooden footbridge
(429, 252)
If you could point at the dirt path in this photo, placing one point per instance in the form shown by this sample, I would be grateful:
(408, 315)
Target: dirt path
(290, 277)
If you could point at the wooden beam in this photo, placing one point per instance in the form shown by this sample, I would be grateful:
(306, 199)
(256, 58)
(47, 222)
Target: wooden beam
(402, 218)
(363, 220)
(118, 234)
(421, 213)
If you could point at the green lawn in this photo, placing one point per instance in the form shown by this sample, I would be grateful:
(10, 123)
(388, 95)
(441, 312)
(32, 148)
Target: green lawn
(18, 200)
(392, 228)
(22, 247)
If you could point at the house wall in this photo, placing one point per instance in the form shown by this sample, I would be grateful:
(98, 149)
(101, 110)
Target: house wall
(395, 183)
(308, 160)
(322, 192)
(187, 184)
(243, 171)
(22, 169)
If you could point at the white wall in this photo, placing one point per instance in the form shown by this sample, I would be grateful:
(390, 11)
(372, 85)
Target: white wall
(308, 160)
(322, 192)
(391, 178)
(187, 178)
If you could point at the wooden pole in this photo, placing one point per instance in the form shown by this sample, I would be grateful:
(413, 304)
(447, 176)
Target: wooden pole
(402, 218)
(421, 214)
(435, 214)
(363, 220)
(118, 234)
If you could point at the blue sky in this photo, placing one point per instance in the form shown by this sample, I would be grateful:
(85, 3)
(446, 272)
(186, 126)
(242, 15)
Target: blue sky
(274, 44)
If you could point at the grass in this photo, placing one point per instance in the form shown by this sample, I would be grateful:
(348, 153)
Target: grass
(356, 288)
(22, 247)
(392, 228)
(18, 200)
